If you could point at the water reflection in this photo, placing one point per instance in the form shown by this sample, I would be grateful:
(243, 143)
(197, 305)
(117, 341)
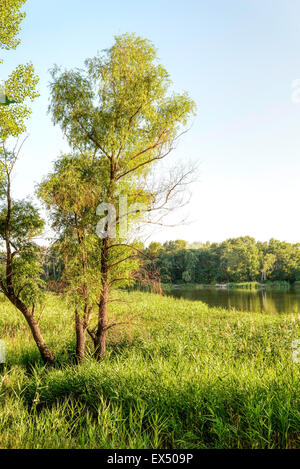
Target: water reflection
(261, 301)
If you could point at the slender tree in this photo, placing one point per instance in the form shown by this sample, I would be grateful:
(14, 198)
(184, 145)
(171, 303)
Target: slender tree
(20, 267)
(118, 108)
(19, 221)
(267, 265)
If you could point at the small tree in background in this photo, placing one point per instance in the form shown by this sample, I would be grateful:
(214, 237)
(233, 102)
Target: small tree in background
(267, 262)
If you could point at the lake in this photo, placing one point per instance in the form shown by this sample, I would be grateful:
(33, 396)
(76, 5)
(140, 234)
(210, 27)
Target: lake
(259, 301)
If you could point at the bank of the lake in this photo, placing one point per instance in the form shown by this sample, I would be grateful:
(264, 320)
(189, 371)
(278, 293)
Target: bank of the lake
(254, 298)
(179, 375)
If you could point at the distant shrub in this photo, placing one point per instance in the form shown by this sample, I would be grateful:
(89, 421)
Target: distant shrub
(277, 284)
(245, 285)
(56, 286)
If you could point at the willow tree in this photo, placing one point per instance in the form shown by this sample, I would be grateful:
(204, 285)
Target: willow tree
(119, 109)
(72, 193)
(20, 222)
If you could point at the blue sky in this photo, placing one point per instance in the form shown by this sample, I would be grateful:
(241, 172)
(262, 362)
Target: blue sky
(236, 58)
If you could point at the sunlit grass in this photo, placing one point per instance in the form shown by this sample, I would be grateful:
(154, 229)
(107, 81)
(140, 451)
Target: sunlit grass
(178, 375)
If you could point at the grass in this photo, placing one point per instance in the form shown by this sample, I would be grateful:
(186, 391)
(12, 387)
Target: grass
(244, 285)
(277, 284)
(180, 375)
(268, 285)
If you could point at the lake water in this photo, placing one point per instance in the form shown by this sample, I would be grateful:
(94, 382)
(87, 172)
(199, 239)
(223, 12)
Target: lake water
(259, 301)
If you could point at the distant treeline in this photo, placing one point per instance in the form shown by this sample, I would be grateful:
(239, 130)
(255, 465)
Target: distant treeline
(235, 260)
(240, 259)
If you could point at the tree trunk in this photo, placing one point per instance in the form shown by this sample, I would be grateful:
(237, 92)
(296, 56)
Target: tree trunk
(46, 354)
(100, 336)
(81, 329)
(82, 322)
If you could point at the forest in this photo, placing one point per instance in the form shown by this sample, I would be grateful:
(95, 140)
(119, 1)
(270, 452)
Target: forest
(235, 260)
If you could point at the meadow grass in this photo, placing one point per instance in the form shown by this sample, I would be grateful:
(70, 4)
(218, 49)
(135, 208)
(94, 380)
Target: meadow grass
(178, 375)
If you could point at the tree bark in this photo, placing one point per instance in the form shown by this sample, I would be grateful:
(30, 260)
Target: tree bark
(46, 354)
(81, 330)
(81, 326)
(100, 336)
(100, 339)
(82, 321)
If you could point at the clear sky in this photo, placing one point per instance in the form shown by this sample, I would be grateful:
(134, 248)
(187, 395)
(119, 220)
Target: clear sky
(236, 58)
